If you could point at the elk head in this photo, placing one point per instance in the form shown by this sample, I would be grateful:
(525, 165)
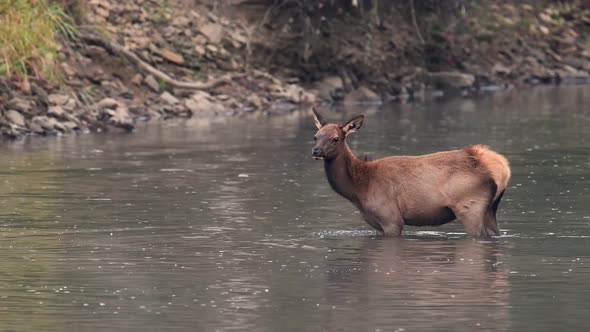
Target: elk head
(330, 139)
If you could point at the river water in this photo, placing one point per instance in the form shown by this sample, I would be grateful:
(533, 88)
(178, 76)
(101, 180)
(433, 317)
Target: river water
(230, 225)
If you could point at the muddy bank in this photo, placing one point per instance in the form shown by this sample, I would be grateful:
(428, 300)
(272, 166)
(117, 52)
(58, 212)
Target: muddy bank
(143, 60)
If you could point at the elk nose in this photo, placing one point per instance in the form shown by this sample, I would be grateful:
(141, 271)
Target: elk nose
(316, 152)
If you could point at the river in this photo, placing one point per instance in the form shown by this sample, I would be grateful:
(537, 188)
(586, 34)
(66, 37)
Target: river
(230, 225)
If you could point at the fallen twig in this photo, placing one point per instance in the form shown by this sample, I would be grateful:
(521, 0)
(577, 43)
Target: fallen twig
(415, 21)
(115, 48)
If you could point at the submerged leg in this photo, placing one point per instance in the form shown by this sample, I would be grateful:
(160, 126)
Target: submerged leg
(387, 224)
(471, 214)
(392, 229)
(490, 223)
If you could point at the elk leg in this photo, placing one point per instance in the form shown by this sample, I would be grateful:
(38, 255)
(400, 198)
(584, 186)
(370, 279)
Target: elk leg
(392, 229)
(391, 225)
(490, 224)
(471, 214)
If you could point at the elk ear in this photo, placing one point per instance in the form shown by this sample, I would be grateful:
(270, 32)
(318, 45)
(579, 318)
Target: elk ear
(317, 117)
(353, 125)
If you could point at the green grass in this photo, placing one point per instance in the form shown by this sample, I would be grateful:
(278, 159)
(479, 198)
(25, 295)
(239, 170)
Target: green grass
(28, 37)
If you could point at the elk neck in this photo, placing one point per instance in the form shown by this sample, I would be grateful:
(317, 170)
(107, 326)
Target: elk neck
(347, 174)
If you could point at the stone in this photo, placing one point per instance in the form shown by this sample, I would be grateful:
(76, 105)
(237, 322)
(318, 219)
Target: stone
(238, 37)
(102, 12)
(19, 104)
(172, 57)
(58, 99)
(213, 32)
(67, 70)
(192, 105)
(362, 95)
(200, 50)
(151, 82)
(36, 128)
(121, 118)
(255, 101)
(70, 125)
(15, 117)
(107, 103)
(170, 99)
(450, 80)
(544, 30)
(56, 111)
(70, 105)
(200, 40)
(500, 69)
(324, 88)
(200, 104)
(137, 79)
(212, 48)
(45, 122)
(40, 93)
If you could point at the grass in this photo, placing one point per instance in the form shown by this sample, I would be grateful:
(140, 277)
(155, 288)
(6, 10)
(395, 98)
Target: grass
(28, 37)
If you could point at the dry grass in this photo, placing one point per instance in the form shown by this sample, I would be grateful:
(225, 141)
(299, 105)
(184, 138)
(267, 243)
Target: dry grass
(28, 32)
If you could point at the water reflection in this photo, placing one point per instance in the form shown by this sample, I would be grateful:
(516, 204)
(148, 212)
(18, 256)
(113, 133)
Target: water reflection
(231, 225)
(436, 285)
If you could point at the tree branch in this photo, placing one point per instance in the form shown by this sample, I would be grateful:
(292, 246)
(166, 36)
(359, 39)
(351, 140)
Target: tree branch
(115, 48)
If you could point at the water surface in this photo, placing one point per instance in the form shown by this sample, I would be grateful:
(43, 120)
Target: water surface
(231, 226)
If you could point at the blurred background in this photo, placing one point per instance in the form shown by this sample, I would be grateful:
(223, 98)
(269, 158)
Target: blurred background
(156, 169)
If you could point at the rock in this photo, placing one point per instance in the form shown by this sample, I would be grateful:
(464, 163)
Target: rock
(70, 125)
(200, 50)
(151, 82)
(19, 104)
(192, 105)
(254, 101)
(121, 118)
(56, 111)
(212, 48)
(107, 103)
(137, 79)
(213, 32)
(40, 93)
(172, 57)
(200, 40)
(58, 99)
(15, 117)
(544, 30)
(36, 128)
(67, 70)
(71, 105)
(325, 88)
(237, 38)
(362, 95)
(46, 122)
(450, 80)
(500, 69)
(102, 12)
(170, 99)
(546, 18)
(200, 104)
(25, 86)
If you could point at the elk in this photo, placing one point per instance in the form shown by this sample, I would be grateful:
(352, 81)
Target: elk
(427, 190)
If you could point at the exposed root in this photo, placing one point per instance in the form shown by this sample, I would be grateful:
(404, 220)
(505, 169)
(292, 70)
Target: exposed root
(115, 48)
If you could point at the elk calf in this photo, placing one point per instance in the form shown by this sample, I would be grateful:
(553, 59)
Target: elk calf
(428, 190)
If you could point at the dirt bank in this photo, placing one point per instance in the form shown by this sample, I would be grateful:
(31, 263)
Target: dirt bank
(145, 59)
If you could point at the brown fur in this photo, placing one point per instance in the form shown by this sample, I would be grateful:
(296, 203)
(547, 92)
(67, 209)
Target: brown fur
(432, 189)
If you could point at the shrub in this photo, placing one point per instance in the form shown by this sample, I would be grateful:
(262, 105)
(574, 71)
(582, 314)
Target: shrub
(28, 32)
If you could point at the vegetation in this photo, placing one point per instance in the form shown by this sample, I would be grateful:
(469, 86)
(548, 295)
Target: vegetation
(28, 36)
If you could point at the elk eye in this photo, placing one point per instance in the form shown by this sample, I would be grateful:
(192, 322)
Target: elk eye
(315, 138)
(335, 139)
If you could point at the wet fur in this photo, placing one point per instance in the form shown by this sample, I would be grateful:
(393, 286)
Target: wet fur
(427, 190)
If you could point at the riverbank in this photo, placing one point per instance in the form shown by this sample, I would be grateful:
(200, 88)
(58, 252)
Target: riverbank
(145, 60)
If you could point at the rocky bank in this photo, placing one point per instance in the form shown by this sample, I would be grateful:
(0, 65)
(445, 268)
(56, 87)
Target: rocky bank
(144, 59)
